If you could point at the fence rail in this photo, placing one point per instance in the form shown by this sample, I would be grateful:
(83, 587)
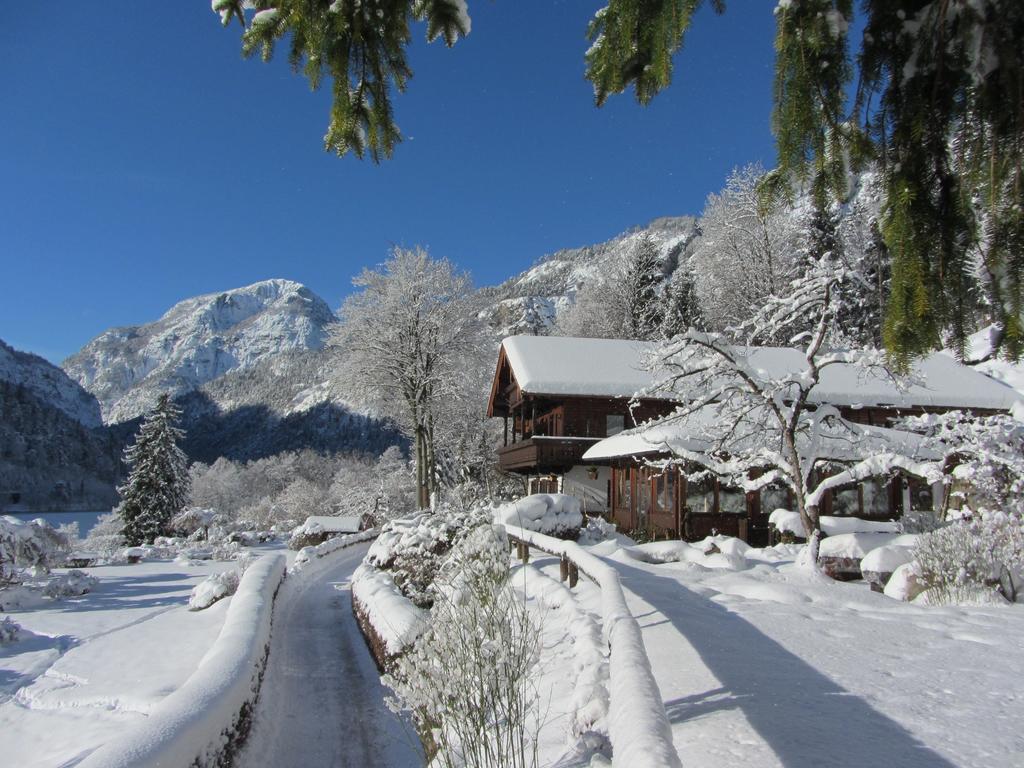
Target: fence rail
(639, 729)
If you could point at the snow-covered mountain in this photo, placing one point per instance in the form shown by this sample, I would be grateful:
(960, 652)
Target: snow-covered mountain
(49, 384)
(531, 301)
(198, 341)
(55, 454)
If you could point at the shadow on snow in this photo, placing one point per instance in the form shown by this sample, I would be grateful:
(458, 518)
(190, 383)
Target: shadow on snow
(804, 716)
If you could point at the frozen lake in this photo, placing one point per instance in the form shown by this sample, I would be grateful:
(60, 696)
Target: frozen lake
(85, 520)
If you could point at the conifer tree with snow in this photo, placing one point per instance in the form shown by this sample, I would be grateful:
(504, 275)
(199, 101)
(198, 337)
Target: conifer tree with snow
(158, 483)
(642, 279)
(680, 309)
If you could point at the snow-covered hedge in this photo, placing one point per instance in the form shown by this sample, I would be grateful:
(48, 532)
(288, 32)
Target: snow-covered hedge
(413, 548)
(309, 554)
(203, 722)
(394, 619)
(638, 725)
(553, 514)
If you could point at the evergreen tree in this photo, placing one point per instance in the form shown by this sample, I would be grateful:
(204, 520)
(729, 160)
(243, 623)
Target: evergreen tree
(158, 483)
(640, 285)
(680, 309)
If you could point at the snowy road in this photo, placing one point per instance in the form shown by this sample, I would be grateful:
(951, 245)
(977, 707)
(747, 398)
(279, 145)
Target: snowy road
(322, 704)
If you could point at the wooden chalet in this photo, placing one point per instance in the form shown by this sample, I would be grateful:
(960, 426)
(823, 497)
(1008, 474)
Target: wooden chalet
(569, 428)
(560, 396)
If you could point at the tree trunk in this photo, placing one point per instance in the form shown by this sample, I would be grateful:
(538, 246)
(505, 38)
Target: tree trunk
(422, 483)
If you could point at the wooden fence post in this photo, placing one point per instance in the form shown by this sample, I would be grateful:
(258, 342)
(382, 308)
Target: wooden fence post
(574, 574)
(563, 568)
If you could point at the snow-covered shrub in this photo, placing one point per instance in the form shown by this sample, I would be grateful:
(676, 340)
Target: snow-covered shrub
(596, 530)
(919, 521)
(553, 514)
(468, 680)
(9, 630)
(105, 538)
(413, 548)
(71, 584)
(972, 558)
(32, 545)
(215, 587)
(193, 520)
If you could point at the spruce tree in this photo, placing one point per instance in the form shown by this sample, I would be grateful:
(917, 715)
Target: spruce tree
(680, 308)
(640, 283)
(158, 483)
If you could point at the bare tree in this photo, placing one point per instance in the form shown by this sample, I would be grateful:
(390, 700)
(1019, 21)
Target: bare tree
(406, 339)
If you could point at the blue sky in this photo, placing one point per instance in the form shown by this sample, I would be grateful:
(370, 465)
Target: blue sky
(143, 161)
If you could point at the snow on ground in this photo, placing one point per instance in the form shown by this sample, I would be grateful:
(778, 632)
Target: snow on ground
(770, 665)
(89, 667)
(322, 702)
(572, 677)
(762, 663)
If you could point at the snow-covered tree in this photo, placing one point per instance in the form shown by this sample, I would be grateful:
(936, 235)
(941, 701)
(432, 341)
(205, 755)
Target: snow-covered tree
(158, 482)
(680, 309)
(407, 338)
(747, 251)
(624, 302)
(753, 410)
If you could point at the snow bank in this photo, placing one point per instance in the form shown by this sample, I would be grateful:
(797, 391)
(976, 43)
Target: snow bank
(857, 545)
(554, 514)
(638, 726)
(790, 522)
(905, 583)
(392, 616)
(309, 554)
(330, 524)
(888, 558)
(713, 552)
(205, 719)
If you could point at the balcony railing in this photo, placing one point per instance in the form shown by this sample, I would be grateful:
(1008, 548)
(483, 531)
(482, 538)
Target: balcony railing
(544, 454)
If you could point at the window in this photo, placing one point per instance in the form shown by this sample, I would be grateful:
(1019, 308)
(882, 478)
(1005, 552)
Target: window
(731, 501)
(700, 496)
(614, 423)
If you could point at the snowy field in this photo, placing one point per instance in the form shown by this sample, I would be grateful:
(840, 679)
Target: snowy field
(87, 668)
(761, 663)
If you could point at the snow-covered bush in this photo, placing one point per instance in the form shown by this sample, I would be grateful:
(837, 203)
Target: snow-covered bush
(972, 558)
(215, 587)
(33, 545)
(413, 548)
(553, 514)
(9, 630)
(105, 538)
(468, 680)
(71, 584)
(193, 520)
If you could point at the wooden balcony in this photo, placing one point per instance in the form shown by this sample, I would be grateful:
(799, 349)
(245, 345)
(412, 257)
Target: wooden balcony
(540, 455)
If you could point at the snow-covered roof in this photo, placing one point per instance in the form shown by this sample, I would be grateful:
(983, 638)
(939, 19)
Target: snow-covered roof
(568, 365)
(696, 433)
(564, 365)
